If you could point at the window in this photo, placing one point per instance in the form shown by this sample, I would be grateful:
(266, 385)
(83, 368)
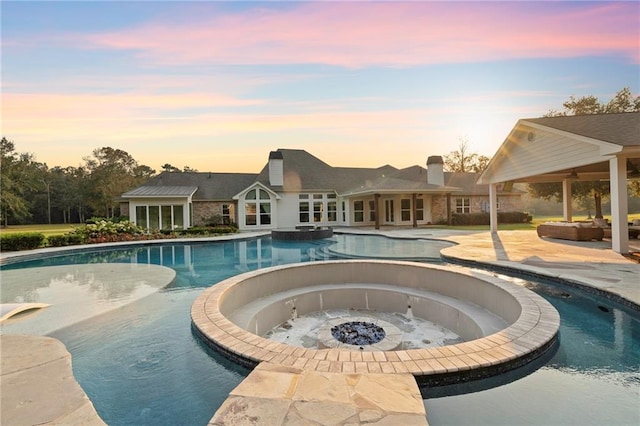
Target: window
(358, 211)
(317, 211)
(141, 216)
(463, 205)
(262, 204)
(372, 211)
(226, 214)
(332, 211)
(154, 217)
(265, 213)
(419, 209)
(303, 208)
(250, 218)
(160, 217)
(166, 217)
(344, 211)
(178, 217)
(405, 209)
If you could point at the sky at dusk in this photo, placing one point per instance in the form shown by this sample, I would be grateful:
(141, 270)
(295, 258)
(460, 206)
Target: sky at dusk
(216, 85)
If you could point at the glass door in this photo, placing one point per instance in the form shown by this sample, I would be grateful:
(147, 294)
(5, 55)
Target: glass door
(389, 212)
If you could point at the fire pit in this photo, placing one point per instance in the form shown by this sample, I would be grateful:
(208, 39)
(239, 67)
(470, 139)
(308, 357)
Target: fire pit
(358, 333)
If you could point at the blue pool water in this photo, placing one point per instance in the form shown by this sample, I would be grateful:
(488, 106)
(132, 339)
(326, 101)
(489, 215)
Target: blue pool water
(141, 365)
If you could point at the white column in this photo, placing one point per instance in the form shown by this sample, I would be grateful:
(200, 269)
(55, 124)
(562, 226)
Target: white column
(566, 200)
(493, 207)
(619, 205)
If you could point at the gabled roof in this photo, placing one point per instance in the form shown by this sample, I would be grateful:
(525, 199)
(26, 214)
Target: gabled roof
(621, 129)
(467, 183)
(302, 172)
(547, 149)
(210, 186)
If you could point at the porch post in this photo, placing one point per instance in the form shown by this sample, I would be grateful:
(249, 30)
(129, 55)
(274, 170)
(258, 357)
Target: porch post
(566, 200)
(413, 209)
(493, 207)
(377, 204)
(619, 205)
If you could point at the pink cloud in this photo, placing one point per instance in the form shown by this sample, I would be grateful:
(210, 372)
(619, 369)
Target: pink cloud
(389, 34)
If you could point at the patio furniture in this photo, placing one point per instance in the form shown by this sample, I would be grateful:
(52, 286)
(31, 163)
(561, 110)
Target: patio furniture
(570, 231)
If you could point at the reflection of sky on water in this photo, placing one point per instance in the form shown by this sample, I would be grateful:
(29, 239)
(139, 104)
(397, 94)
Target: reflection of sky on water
(76, 292)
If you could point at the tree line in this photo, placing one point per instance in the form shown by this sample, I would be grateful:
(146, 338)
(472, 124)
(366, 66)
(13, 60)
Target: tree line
(31, 192)
(34, 193)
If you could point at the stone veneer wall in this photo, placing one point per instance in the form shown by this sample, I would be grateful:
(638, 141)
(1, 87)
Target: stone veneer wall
(124, 208)
(439, 209)
(203, 211)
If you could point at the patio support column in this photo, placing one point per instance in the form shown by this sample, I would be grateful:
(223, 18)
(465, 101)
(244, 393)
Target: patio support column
(619, 205)
(376, 197)
(493, 207)
(566, 200)
(414, 196)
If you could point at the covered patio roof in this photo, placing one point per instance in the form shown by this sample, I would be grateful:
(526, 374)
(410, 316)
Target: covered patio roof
(568, 148)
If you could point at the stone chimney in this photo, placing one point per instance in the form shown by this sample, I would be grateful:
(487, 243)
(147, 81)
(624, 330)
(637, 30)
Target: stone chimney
(276, 172)
(435, 170)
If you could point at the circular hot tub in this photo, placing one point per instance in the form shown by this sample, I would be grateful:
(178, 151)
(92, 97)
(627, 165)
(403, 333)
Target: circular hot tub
(502, 326)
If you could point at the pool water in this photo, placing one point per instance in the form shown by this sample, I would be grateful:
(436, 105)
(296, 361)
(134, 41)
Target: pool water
(141, 365)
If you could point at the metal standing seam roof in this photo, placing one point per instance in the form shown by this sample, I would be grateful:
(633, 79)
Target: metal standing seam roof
(161, 191)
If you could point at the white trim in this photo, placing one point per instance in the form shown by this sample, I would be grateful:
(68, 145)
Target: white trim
(242, 193)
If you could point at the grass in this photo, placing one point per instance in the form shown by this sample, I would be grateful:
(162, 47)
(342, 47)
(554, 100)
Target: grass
(47, 230)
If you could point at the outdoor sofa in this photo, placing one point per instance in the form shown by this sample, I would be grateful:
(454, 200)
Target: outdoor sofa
(574, 231)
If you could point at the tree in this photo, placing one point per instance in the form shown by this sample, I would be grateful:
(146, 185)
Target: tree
(111, 173)
(169, 168)
(173, 169)
(20, 176)
(623, 101)
(464, 161)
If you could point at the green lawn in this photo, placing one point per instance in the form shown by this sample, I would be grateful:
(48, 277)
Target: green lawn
(47, 230)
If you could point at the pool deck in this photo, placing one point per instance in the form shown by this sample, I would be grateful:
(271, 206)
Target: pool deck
(290, 395)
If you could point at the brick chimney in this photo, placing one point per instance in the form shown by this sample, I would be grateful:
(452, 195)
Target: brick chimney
(276, 172)
(435, 170)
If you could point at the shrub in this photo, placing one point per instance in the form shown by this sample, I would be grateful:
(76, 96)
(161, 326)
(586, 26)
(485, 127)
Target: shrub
(104, 228)
(22, 241)
(207, 230)
(58, 240)
(484, 219)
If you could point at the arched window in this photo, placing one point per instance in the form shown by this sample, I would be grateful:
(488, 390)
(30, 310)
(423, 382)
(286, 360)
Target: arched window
(257, 208)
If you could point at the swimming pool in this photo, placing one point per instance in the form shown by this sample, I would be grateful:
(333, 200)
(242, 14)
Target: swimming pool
(140, 364)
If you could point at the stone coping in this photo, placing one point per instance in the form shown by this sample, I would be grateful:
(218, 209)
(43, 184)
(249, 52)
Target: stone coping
(531, 335)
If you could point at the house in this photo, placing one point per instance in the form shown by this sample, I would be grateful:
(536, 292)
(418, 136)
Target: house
(296, 188)
(572, 148)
